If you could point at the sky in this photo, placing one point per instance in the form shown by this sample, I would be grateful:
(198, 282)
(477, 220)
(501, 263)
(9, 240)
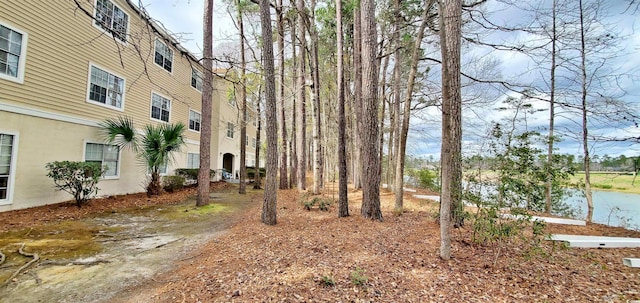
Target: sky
(183, 18)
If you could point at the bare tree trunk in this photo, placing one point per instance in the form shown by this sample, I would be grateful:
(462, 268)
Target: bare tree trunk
(243, 98)
(404, 130)
(585, 132)
(271, 191)
(256, 176)
(207, 91)
(317, 127)
(284, 178)
(302, 104)
(343, 202)
(293, 174)
(450, 35)
(382, 115)
(552, 105)
(397, 75)
(370, 131)
(357, 100)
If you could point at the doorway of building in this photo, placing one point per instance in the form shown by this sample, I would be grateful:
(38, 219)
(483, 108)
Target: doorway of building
(227, 165)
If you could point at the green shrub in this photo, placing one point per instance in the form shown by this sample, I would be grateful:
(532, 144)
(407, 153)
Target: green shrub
(428, 179)
(323, 204)
(172, 183)
(79, 179)
(191, 174)
(327, 281)
(358, 277)
(251, 172)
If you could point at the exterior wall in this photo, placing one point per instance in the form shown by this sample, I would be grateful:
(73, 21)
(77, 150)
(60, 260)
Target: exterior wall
(49, 111)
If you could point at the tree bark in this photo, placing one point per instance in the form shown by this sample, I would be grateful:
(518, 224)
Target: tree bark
(585, 131)
(317, 127)
(397, 75)
(284, 178)
(257, 179)
(406, 115)
(357, 170)
(343, 202)
(552, 115)
(270, 192)
(243, 98)
(205, 125)
(293, 174)
(301, 99)
(450, 35)
(370, 132)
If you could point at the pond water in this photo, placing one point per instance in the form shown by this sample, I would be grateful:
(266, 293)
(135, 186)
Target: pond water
(610, 208)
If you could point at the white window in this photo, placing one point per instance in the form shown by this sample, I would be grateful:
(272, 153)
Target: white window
(193, 160)
(105, 88)
(13, 52)
(7, 144)
(112, 19)
(230, 130)
(253, 142)
(160, 107)
(106, 155)
(196, 79)
(163, 56)
(194, 120)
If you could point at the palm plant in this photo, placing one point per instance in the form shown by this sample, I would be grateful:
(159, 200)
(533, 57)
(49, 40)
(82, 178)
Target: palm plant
(155, 147)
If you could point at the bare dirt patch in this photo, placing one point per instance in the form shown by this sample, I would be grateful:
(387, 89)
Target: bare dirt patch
(108, 246)
(313, 256)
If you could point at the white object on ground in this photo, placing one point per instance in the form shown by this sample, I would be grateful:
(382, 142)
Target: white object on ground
(597, 241)
(548, 220)
(434, 198)
(631, 262)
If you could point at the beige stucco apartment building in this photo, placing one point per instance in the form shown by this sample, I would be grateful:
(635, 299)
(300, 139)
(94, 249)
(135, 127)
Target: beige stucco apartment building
(64, 68)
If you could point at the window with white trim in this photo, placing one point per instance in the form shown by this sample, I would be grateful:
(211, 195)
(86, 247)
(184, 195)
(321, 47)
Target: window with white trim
(193, 160)
(6, 155)
(196, 79)
(112, 19)
(194, 120)
(160, 107)
(253, 142)
(232, 99)
(230, 130)
(246, 140)
(13, 46)
(106, 155)
(163, 56)
(105, 88)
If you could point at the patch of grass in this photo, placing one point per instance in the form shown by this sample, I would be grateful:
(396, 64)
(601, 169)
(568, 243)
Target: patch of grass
(603, 186)
(327, 281)
(358, 277)
(64, 240)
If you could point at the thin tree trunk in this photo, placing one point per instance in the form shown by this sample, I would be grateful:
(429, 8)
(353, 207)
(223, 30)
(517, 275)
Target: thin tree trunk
(270, 192)
(293, 174)
(343, 202)
(256, 175)
(302, 103)
(397, 75)
(450, 35)
(317, 129)
(552, 105)
(207, 91)
(370, 140)
(357, 100)
(243, 98)
(284, 178)
(403, 132)
(585, 132)
(383, 111)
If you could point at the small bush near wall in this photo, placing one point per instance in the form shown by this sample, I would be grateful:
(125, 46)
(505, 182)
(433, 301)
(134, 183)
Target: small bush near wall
(191, 174)
(172, 183)
(251, 172)
(79, 179)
